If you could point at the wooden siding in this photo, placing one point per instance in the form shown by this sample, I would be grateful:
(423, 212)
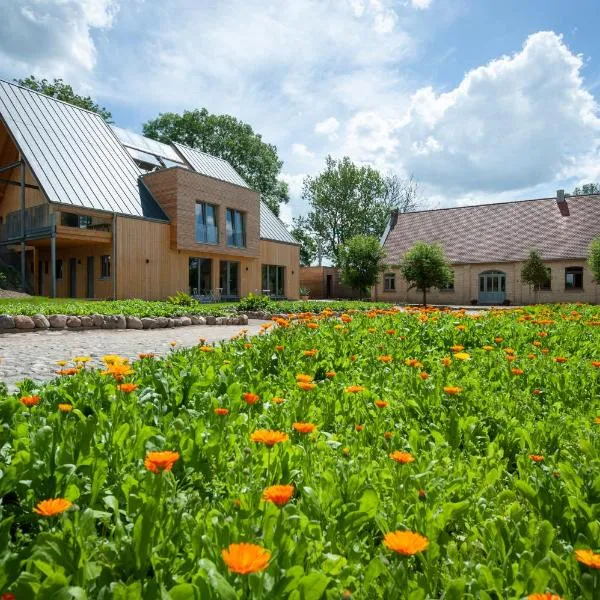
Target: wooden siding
(286, 255)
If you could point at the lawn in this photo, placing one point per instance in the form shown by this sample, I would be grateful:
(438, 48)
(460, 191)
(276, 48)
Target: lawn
(417, 455)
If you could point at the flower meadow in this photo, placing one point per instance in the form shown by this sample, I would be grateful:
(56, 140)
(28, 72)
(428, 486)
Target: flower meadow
(383, 454)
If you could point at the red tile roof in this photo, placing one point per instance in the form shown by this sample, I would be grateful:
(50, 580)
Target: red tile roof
(501, 232)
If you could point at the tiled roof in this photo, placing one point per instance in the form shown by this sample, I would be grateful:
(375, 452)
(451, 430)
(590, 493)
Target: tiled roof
(74, 154)
(272, 228)
(503, 232)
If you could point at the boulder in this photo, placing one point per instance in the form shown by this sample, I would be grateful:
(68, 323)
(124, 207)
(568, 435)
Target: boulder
(57, 321)
(98, 320)
(162, 322)
(148, 323)
(7, 322)
(198, 320)
(177, 322)
(87, 322)
(221, 321)
(210, 320)
(134, 323)
(73, 322)
(170, 322)
(24, 322)
(41, 322)
(114, 322)
(243, 319)
(185, 321)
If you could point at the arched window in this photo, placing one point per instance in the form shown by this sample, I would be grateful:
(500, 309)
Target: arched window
(574, 278)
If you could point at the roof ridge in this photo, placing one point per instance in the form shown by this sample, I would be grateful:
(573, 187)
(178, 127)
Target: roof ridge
(22, 87)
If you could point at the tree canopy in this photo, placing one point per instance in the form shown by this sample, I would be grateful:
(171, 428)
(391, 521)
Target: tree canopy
(534, 272)
(361, 259)
(60, 90)
(346, 200)
(587, 188)
(425, 266)
(308, 245)
(594, 259)
(228, 138)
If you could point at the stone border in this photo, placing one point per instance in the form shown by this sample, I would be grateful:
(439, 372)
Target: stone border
(39, 322)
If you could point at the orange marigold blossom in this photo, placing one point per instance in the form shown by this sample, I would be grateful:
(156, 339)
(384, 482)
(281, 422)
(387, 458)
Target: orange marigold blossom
(279, 348)
(66, 372)
(596, 363)
(127, 388)
(65, 408)
(498, 339)
(355, 389)
(330, 374)
(544, 596)
(390, 331)
(588, 557)
(206, 349)
(385, 358)
(143, 355)
(8, 596)
(278, 494)
(381, 403)
(457, 348)
(269, 437)
(303, 385)
(402, 457)
(545, 350)
(52, 507)
(536, 392)
(487, 348)
(509, 351)
(359, 427)
(460, 327)
(302, 427)
(424, 375)
(30, 400)
(247, 345)
(250, 398)
(160, 461)
(537, 343)
(173, 344)
(312, 326)
(517, 371)
(388, 435)
(304, 378)
(536, 457)
(462, 356)
(277, 400)
(118, 370)
(221, 411)
(560, 359)
(446, 361)
(312, 352)
(452, 390)
(406, 543)
(244, 559)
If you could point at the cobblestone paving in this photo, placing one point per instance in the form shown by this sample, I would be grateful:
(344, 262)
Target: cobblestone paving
(35, 354)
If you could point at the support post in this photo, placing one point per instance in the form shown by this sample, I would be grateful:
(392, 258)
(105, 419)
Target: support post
(22, 196)
(113, 262)
(53, 264)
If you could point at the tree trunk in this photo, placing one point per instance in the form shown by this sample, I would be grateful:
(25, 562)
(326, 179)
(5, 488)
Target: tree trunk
(424, 297)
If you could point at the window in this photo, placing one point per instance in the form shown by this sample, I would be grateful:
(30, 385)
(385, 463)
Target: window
(59, 268)
(105, 266)
(229, 279)
(200, 276)
(207, 231)
(273, 278)
(236, 234)
(72, 220)
(389, 282)
(574, 278)
(547, 285)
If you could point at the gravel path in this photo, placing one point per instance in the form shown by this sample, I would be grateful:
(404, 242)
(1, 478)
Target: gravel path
(35, 354)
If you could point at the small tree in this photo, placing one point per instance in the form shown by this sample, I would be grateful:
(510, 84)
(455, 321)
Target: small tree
(360, 262)
(594, 259)
(425, 266)
(534, 272)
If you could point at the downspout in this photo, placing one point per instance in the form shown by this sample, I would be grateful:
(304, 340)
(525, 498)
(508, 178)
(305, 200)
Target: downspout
(114, 256)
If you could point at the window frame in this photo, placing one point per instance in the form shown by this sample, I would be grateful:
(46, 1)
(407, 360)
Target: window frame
(201, 210)
(103, 273)
(577, 272)
(266, 272)
(238, 217)
(387, 277)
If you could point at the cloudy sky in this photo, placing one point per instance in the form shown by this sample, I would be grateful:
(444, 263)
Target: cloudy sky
(480, 100)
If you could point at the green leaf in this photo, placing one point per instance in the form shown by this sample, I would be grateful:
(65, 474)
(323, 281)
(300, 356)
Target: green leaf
(217, 581)
(313, 586)
(184, 591)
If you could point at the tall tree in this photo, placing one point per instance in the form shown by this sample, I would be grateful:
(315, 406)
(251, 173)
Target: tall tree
(361, 260)
(425, 266)
(586, 189)
(402, 194)
(228, 138)
(346, 200)
(594, 259)
(308, 245)
(60, 90)
(534, 272)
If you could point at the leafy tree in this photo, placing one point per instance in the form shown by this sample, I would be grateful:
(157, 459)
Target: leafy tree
(228, 138)
(361, 260)
(534, 272)
(586, 189)
(402, 194)
(594, 259)
(60, 90)
(308, 248)
(347, 200)
(425, 266)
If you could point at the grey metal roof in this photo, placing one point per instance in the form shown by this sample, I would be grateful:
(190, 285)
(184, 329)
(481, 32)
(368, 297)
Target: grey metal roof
(209, 165)
(272, 228)
(74, 154)
(146, 145)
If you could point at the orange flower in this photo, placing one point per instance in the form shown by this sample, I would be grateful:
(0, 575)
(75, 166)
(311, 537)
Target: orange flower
(596, 363)
(487, 348)
(278, 494)
(447, 361)
(52, 507)
(509, 351)
(246, 558)
(303, 385)
(359, 427)
(304, 378)
(250, 398)
(536, 392)
(452, 390)
(546, 596)
(381, 403)
(457, 348)
(65, 408)
(413, 362)
(536, 457)
(498, 339)
(221, 411)
(462, 356)
(69, 371)
(312, 326)
(332, 374)
(247, 345)
(402, 457)
(345, 451)
(424, 375)
(30, 400)
(384, 358)
(206, 349)
(279, 348)
(118, 371)
(277, 400)
(390, 331)
(353, 357)
(388, 435)
(597, 420)
(301, 427)
(531, 356)
(172, 344)
(268, 437)
(460, 327)
(560, 359)
(312, 352)
(143, 355)
(161, 461)
(511, 357)
(517, 371)
(543, 333)
(127, 388)
(406, 543)
(355, 389)
(588, 558)
(346, 318)
(537, 343)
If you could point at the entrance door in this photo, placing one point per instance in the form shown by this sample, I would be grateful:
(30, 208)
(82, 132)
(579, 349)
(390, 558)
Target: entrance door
(329, 286)
(492, 287)
(73, 277)
(90, 277)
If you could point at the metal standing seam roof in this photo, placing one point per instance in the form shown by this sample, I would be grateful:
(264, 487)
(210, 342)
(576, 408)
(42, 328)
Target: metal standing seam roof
(272, 228)
(74, 154)
(502, 232)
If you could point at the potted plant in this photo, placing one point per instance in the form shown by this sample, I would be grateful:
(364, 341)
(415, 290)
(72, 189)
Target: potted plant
(304, 293)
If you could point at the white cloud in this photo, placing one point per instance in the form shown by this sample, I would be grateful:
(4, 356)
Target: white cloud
(302, 150)
(328, 127)
(421, 4)
(52, 37)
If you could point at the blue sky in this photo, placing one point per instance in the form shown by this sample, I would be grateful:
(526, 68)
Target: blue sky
(480, 100)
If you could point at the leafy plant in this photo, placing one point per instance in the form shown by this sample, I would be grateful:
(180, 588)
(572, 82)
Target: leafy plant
(182, 299)
(254, 302)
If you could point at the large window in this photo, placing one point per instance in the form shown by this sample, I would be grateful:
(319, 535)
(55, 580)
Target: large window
(574, 278)
(207, 231)
(105, 266)
(229, 279)
(273, 279)
(236, 230)
(389, 282)
(200, 276)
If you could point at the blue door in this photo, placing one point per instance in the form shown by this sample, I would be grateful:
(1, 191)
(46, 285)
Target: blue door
(492, 287)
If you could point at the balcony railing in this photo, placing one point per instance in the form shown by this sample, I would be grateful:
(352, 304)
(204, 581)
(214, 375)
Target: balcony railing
(38, 222)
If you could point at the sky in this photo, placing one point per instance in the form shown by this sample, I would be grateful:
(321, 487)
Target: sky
(479, 100)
